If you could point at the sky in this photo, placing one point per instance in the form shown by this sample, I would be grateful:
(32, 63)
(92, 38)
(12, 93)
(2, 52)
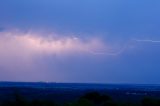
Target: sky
(81, 41)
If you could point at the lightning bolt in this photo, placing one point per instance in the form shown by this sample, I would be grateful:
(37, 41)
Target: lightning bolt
(125, 47)
(147, 40)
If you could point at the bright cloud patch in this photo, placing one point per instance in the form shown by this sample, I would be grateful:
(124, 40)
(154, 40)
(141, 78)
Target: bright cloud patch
(30, 44)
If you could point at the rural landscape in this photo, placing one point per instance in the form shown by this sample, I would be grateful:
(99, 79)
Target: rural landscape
(79, 53)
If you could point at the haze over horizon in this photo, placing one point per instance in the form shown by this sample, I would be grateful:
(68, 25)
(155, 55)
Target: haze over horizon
(100, 41)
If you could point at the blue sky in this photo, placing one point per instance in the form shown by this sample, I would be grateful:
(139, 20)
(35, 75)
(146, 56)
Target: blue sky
(102, 41)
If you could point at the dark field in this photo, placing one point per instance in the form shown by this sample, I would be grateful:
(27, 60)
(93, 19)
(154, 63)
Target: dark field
(69, 93)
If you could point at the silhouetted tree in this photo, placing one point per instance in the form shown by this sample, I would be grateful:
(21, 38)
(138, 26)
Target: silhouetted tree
(96, 97)
(42, 103)
(150, 102)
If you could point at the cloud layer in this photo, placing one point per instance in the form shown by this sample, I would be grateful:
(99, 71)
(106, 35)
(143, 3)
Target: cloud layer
(17, 43)
(34, 56)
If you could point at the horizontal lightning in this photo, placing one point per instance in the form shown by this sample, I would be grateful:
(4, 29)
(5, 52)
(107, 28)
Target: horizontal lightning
(125, 47)
(146, 40)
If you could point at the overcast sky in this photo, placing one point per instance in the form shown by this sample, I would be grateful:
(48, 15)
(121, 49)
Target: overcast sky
(102, 41)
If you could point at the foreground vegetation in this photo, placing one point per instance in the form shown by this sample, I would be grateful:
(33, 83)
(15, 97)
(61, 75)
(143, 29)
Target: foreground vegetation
(88, 99)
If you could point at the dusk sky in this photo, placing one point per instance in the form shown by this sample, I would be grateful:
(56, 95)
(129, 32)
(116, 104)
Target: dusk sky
(83, 41)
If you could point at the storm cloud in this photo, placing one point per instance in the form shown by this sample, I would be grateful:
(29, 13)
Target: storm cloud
(102, 41)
